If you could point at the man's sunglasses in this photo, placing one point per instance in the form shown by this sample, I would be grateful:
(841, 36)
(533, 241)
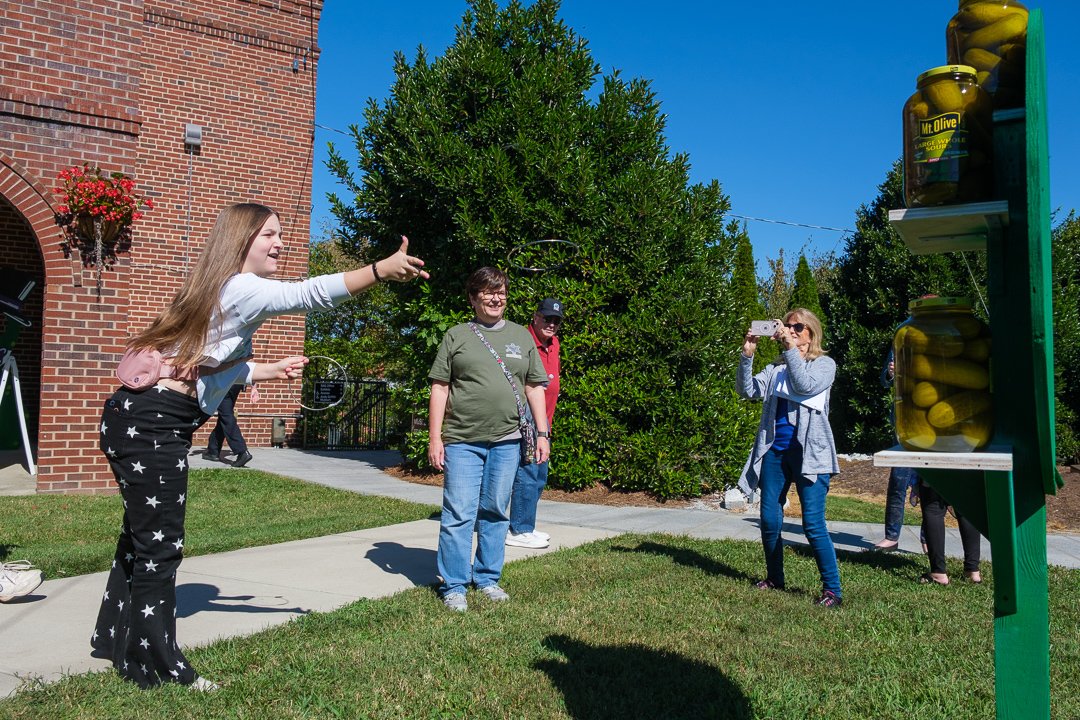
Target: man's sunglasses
(552, 319)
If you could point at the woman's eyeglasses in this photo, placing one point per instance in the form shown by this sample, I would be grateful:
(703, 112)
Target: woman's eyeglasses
(797, 327)
(489, 294)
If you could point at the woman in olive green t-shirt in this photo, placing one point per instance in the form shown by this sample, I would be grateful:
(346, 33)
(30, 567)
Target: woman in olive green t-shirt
(475, 437)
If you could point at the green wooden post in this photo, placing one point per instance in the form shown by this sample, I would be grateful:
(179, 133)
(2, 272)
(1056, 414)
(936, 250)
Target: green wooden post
(1009, 508)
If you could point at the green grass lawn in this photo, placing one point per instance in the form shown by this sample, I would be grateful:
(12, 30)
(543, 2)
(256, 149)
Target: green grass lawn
(634, 627)
(228, 509)
(854, 510)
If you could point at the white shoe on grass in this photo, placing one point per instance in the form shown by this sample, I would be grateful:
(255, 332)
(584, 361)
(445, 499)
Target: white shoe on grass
(494, 593)
(456, 602)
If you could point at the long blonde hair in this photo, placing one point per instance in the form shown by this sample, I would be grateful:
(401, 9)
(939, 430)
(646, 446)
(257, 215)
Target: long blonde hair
(182, 328)
(811, 321)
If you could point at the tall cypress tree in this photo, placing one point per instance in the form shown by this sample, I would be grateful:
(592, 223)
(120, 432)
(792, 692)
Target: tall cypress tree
(744, 280)
(805, 293)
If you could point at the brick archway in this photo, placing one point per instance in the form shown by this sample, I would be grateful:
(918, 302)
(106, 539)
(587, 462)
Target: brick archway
(25, 220)
(34, 202)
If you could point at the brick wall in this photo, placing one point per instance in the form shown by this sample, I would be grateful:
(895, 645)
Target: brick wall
(114, 83)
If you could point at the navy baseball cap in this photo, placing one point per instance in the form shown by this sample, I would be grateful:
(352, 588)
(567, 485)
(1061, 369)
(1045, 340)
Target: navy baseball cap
(549, 307)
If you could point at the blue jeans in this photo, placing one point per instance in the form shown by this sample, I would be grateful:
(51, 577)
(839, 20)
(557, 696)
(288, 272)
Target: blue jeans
(529, 482)
(779, 470)
(900, 482)
(476, 493)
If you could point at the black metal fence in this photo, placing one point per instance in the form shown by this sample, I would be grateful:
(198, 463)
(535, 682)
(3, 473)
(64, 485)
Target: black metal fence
(358, 422)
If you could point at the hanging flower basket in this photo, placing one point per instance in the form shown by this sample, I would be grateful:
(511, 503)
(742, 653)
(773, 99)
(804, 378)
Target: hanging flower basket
(96, 214)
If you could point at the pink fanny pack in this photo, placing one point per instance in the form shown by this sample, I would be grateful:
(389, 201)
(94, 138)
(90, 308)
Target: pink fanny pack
(140, 369)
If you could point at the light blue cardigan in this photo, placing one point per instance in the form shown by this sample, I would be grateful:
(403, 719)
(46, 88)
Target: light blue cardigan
(812, 429)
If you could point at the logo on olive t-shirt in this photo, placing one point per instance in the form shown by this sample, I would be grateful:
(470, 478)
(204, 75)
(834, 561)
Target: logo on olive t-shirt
(513, 350)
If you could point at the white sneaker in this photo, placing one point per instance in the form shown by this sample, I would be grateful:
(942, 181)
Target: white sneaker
(525, 540)
(495, 593)
(541, 535)
(17, 579)
(456, 602)
(201, 684)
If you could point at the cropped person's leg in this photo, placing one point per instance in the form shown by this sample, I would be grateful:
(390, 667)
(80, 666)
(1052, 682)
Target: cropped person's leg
(812, 497)
(895, 498)
(933, 509)
(461, 496)
(529, 481)
(492, 519)
(771, 486)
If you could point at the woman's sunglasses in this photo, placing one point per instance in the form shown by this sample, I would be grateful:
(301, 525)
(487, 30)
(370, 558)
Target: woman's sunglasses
(797, 327)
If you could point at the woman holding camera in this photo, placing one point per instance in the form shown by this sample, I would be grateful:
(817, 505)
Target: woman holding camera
(205, 335)
(794, 444)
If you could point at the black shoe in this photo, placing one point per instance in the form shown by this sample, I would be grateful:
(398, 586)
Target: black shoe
(215, 456)
(242, 459)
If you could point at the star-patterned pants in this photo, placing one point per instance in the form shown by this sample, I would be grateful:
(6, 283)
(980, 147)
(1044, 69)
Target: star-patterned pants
(146, 437)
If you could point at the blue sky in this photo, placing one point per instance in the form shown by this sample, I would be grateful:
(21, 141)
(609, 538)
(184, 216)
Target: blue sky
(793, 106)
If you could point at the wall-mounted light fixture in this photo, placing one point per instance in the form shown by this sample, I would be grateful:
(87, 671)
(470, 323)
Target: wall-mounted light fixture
(193, 135)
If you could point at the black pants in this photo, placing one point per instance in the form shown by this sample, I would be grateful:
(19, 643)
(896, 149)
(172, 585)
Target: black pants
(146, 437)
(934, 508)
(227, 428)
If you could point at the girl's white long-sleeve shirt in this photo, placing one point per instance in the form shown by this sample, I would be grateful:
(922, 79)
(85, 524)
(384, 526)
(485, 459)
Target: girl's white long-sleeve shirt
(247, 301)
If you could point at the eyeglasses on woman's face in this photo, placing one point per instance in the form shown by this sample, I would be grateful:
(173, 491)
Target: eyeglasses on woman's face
(492, 294)
(797, 327)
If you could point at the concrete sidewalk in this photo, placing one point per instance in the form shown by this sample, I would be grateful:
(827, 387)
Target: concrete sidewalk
(242, 592)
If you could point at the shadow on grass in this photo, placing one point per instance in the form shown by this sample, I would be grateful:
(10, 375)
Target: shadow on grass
(796, 528)
(192, 598)
(630, 681)
(415, 564)
(689, 558)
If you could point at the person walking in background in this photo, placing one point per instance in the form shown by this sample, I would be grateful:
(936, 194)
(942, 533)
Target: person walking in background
(531, 478)
(205, 334)
(483, 374)
(794, 445)
(902, 481)
(227, 428)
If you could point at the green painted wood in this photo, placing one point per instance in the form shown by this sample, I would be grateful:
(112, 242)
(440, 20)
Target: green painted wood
(1021, 373)
(1001, 523)
(1041, 310)
(1022, 638)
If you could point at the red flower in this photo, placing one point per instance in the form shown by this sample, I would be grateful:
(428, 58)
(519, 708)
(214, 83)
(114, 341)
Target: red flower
(87, 192)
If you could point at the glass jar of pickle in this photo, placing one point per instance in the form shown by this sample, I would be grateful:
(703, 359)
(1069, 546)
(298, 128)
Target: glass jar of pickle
(948, 139)
(991, 36)
(942, 376)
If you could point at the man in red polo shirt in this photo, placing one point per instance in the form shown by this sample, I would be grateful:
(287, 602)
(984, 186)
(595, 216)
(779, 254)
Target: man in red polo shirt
(530, 479)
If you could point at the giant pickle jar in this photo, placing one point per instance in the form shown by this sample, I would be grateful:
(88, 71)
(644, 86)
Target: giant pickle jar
(942, 375)
(991, 36)
(948, 139)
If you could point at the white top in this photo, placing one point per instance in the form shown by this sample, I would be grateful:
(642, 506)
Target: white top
(247, 301)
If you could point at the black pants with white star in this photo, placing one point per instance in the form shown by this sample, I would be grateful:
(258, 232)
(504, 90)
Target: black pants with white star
(146, 437)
